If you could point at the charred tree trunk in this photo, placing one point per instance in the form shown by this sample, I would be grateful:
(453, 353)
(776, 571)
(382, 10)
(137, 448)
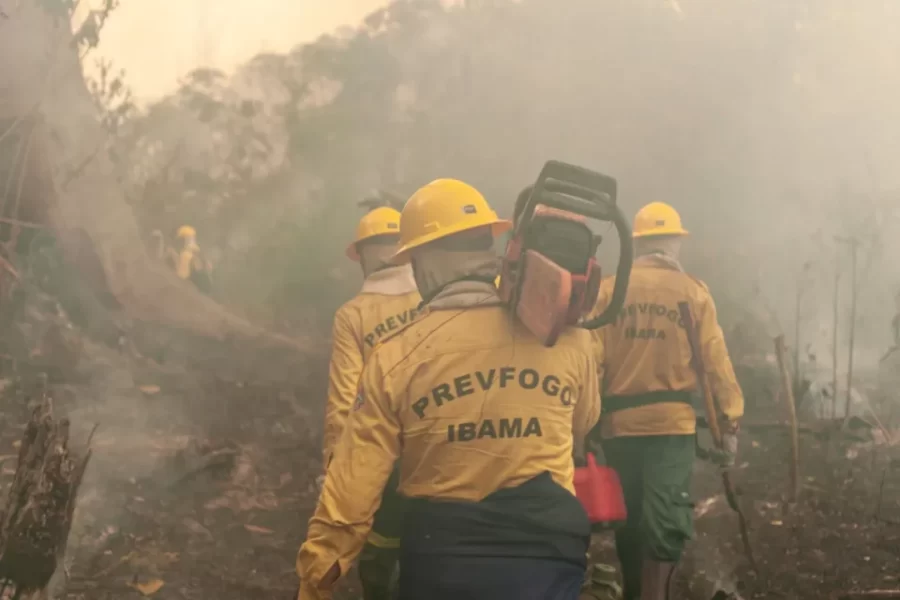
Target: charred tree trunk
(35, 523)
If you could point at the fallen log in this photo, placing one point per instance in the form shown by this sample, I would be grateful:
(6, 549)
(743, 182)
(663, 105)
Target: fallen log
(37, 517)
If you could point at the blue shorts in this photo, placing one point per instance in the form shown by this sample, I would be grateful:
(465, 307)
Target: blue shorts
(435, 577)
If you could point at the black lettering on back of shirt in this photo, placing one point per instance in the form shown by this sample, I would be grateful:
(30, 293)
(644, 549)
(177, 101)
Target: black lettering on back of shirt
(551, 385)
(529, 379)
(488, 383)
(533, 427)
(463, 385)
(507, 374)
(419, 406)
(487, 430)
(466, 432)
(511, 428)
(441, 393)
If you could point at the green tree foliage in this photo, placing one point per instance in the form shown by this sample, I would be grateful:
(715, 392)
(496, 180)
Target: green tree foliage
(730, 110)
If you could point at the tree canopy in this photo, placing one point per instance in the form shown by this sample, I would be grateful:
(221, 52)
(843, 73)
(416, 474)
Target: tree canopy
(748, 116)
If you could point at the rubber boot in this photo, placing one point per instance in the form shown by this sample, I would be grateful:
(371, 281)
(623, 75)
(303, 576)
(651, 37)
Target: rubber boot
(656, 580)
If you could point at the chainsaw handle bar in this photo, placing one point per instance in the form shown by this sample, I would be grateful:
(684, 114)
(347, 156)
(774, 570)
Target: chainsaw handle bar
(623, 273)
(575, 189)
(586, 192)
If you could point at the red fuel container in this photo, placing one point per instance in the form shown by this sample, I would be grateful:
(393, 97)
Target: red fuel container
(600, 492)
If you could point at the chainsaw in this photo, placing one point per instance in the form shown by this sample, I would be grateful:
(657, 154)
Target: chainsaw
(551, 279)
(550, 276)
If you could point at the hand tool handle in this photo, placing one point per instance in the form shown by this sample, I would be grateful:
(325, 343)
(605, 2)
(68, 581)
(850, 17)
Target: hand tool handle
(693, 336)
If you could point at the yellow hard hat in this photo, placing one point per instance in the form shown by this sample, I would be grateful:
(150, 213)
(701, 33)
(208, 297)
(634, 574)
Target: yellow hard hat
(186, 231)
(657, 218)
(442, 208)
(381, 221)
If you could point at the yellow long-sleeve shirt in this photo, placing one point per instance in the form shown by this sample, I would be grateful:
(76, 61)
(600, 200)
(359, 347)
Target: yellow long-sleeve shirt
(470, 403)
(647, 351)
(387, 303)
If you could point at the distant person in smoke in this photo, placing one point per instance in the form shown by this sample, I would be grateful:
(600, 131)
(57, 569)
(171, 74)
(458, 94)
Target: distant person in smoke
(190, 262)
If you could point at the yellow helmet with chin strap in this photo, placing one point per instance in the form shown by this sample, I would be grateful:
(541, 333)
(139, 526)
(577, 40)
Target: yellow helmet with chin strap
(440, 209)
(657, 218)
(378, 222)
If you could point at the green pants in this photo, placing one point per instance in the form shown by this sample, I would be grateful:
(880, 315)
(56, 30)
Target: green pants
(656, 475)
(378, 559)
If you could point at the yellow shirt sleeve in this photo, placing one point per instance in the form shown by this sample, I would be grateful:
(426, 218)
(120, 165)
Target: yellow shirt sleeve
(359, 470)
(343, 378)
(587, 411)
(719, 370)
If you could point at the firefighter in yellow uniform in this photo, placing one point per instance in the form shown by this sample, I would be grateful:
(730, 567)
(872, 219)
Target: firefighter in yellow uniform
(483, 420)
(388, 301)
(649, 424)
(189, 262)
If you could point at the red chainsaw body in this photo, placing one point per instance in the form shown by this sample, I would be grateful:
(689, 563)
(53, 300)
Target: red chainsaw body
(600, 492)
(548, 296)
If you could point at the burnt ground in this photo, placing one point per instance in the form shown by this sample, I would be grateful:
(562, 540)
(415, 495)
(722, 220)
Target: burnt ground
(201, 488)
(843, 535)
(835, 539)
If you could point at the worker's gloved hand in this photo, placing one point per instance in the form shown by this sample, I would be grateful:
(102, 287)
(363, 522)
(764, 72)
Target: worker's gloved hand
(729, 449)
(728, 455)
(580, 460)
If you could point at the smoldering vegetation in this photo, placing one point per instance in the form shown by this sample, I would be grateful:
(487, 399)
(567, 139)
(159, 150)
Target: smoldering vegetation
(772, 126)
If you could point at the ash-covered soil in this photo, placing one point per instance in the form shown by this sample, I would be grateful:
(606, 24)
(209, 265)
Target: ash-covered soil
(201, 488)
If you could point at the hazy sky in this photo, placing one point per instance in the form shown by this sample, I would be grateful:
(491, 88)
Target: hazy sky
(158, 41)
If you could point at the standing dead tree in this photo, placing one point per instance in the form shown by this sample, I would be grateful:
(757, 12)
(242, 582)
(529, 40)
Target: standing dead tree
(35, 523)
(854, 288)
(834, 338)
(787, 393)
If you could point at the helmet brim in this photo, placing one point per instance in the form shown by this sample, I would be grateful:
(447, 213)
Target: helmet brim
(674, 232)
(498, 227)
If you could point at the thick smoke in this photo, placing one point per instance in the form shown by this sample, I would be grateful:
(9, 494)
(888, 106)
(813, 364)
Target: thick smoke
(771, 126)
